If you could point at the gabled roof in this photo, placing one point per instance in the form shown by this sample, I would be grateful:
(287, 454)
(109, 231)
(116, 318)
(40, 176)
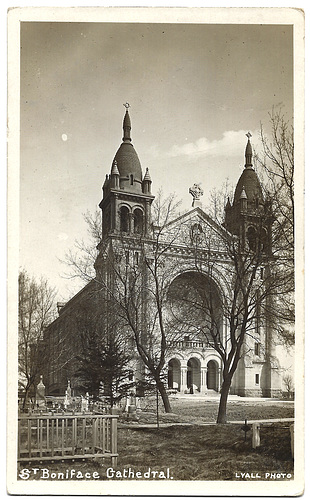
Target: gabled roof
(199, 213)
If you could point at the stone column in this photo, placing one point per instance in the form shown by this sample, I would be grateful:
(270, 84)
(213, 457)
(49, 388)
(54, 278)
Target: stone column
(131, 222)
(183, 385)
(203, 380)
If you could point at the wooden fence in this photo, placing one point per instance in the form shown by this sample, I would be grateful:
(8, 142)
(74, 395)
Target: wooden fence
(59, 437)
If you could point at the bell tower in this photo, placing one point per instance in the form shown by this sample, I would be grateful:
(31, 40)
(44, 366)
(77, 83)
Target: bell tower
(248, 215)
(127, 197)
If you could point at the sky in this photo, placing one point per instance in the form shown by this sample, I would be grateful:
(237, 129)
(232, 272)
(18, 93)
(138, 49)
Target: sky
(194, 90)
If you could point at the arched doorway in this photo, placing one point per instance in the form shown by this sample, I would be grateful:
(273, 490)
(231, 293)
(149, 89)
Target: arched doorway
(174, 374)
(212, 375)
(193, 375)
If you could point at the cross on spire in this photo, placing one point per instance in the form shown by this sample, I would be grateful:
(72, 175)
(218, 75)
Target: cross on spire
(127, 105)
(248, 135)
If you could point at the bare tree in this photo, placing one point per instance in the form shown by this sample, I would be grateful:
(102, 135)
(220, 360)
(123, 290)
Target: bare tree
(261, 288)
(35, 312)
(276, 164)
(199, 307)
(135, 276)
(289, 385)
(79, 261)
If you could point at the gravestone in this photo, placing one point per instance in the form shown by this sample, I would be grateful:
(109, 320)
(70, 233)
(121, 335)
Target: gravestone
(84, 404)
(40, 394)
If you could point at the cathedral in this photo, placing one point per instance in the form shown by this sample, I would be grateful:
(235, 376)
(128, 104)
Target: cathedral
(192, 364)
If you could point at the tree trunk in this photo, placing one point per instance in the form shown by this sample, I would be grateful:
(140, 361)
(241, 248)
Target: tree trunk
(25, 398)
(26, 393)
(221, 416)
(164, 396)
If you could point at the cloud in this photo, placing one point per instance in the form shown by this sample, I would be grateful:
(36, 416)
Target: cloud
(62, 236)
(230, 144)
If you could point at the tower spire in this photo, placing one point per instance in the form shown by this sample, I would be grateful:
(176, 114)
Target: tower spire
(126, 124)
(248, 152)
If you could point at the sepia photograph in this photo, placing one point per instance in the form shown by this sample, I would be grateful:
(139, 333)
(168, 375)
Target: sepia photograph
(155, 251)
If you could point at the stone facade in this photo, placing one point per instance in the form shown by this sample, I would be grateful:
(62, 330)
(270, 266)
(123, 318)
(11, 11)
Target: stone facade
(192, 364)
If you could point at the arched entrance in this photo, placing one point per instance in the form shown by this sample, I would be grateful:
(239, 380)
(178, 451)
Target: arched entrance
(194, 308)
(174, 374)
(212, 375)
(193, 375)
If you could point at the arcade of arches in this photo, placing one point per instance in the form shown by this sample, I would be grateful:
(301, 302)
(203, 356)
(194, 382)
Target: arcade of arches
(194, 375)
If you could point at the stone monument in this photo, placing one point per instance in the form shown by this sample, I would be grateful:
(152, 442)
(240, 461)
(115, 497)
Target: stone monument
(40, 394)
(68, 391)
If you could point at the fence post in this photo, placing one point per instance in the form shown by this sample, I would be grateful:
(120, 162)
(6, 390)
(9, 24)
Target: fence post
(19, 439)
(52, 438)
(292, 439)
(255, 436)
(29, 438)
(114, 441)
(62, 437)
(41, 436)
(104, 430)
(83, 435)
(94, 431)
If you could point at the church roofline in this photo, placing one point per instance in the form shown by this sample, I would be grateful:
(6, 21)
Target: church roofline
(70, 302)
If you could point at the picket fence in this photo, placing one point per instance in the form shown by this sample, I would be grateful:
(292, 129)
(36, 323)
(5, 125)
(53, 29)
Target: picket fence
(59, 437)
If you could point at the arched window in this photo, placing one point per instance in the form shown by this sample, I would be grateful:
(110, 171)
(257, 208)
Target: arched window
(131, 179)
(124, 215)
(138, 221)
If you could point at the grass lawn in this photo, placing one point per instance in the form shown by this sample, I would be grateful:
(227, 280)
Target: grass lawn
(199, 411)
(200, 452)
(205, 452)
